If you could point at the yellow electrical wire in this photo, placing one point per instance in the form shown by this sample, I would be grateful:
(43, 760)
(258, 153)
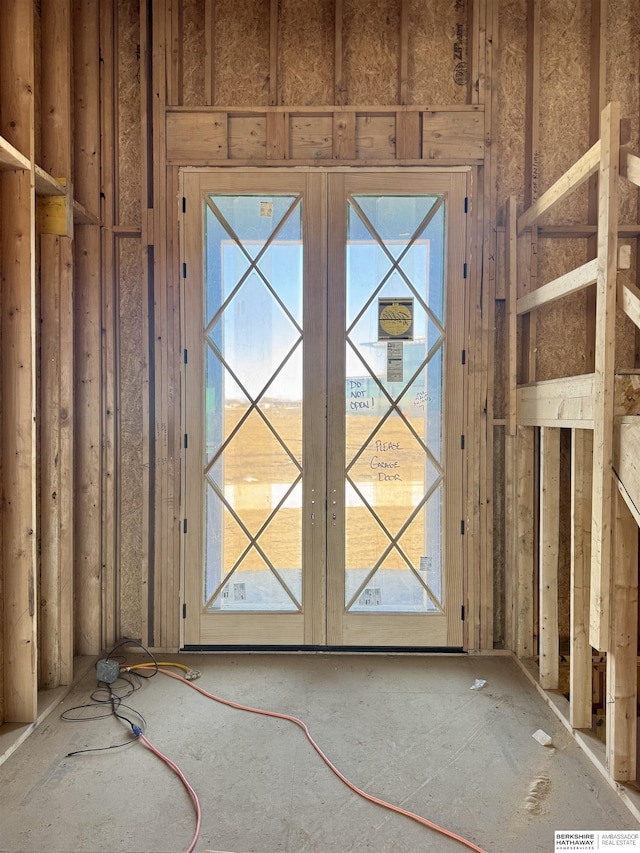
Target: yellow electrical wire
(127, 667)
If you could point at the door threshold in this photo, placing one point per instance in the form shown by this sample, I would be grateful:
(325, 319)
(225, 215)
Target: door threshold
(374, 650)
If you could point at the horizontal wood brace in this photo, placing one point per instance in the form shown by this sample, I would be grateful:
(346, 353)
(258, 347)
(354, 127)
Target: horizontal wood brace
(11, 159)
(629, 299)
(630, 165)
(575, 232)
(569, 402)
(46, 185)
(557, 402)
(389, 109)
(571, 282)
(574, 177)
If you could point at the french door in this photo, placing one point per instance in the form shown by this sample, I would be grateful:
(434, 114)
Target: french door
(323, 394)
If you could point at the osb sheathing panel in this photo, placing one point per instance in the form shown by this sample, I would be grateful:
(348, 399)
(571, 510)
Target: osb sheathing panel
(132, 390)
(623, 74)
(565, 52)
(193, 52)
(371, 51)
(561, 337)
(509, 121)
(306, 52)
(437, 64)
(625, 341)
(129, 138)
(242, 52)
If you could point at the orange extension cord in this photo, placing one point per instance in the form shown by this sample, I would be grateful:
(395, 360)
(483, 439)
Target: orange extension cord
(332, 767)
(183, 779)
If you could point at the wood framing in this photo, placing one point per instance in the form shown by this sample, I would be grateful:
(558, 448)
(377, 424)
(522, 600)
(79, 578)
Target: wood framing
(580, 653)
(512, 328)
(18, 371)
(604, 376)
(570, 282)
(525, 510)
(214, 136)
(622, 681)
(557, 402)
(580, 172)
(109, 556)
(629, 298)
(548, 550)
(55, 217)
(602, 408)
(87, 331)
(56, 461)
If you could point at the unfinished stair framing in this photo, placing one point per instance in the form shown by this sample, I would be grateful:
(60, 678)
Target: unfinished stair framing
(602, 410)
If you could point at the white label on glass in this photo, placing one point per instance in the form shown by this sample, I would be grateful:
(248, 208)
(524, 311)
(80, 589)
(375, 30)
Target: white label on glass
(395, 372)
(266, 208)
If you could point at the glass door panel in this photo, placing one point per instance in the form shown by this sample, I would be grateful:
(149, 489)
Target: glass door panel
(391, 548)
(247, 477)
(253, 349)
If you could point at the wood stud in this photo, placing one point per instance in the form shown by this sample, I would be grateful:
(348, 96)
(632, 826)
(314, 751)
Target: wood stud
(580, 652)
(549, 533)
(18, 370)
(56, 362)
(622, 681)
(604, 375)
(87, 331)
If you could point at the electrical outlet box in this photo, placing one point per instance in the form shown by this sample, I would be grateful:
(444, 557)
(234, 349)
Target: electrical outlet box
(108, 671)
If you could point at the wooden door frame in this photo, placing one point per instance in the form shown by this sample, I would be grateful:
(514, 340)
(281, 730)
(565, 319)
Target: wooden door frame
(314, 633)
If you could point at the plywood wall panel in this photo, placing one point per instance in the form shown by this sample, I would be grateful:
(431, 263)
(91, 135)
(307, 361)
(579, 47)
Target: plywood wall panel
(194, 47)
(242, 52)
(132, 369)
(565, 57)
(129, 131)
(438, 52)
(508, 133)
(371, 51)
(623, 74)
(561, 338)
(625, 341)
(306, 52)
(565, 53)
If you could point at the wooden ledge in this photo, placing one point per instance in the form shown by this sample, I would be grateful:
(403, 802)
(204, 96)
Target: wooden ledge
(47, 185)
(11, 158)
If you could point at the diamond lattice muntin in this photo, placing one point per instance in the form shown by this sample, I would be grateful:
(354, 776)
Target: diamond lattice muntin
(394, 458)
(252, 339)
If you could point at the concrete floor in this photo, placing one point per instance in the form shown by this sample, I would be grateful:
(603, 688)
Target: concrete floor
(405, 728)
